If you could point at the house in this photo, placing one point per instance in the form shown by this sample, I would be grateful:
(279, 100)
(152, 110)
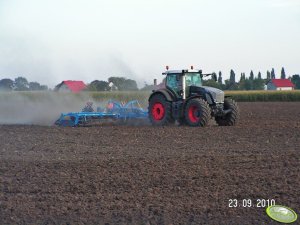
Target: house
(280, 84)
(70, 86)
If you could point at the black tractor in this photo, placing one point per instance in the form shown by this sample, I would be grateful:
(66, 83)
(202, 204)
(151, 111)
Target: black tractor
(182, 98)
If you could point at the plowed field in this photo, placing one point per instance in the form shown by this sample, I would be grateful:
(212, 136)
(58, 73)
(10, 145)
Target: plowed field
(152, 175)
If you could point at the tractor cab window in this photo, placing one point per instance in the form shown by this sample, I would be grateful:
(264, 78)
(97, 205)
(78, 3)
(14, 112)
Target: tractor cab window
(173, 82)
(193, 79)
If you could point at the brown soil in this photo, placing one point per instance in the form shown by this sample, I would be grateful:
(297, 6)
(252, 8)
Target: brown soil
(150, 175)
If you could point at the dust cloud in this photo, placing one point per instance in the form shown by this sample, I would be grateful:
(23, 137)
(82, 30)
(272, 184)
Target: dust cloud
(41, 108)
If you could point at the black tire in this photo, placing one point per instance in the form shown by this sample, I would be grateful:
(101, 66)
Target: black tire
(231, 118)
(160, 110)
(197, 112)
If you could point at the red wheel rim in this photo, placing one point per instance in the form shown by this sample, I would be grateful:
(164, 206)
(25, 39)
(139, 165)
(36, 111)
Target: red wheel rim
(158, 111)
(194, 114)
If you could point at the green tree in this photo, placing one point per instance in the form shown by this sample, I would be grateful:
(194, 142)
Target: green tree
(296, 81)
(98, 85)
(282, 73)
(43, 87)
(243, 77)
(268, 75)
(248, 84)
(34, 86)
(258, 84)
(230, 86)
(147, 87)
(273, 76)
(232, 77)
(6, 84)
(220, 80)
(123, 84)
(241, 85)
(21, 84)
(130, 85)
(117, 81)
(251, 77)
(213, 83)
(259, 75)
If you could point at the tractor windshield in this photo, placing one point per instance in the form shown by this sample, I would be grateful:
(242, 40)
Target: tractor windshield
(193, 79)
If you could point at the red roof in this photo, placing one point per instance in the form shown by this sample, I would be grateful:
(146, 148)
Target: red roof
(282, 83)
(75, 86)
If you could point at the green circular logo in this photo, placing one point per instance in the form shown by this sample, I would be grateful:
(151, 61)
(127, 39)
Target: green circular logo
(281, 214)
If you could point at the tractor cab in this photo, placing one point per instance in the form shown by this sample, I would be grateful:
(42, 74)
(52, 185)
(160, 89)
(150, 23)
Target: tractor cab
(180, 80)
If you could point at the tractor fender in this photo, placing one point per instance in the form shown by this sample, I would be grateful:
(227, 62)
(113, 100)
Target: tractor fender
(165, 93)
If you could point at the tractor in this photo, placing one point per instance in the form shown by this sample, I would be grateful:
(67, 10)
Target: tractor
(184, 99)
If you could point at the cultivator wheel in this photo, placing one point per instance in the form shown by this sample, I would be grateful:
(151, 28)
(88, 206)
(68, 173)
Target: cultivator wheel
(197, 113)
(232, 117)
(160, 111)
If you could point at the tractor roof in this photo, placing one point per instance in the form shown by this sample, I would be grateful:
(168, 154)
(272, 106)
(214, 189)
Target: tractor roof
(181, 71)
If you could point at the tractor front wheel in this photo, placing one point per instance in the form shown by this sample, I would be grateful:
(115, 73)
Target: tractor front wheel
(160, 111)
(197, 112)
(231, 118)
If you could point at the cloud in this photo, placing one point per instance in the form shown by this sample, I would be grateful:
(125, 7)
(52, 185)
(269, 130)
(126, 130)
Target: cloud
(284, 3)
(52, 40)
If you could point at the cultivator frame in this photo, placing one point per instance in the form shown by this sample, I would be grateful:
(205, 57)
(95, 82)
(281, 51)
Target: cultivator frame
(115, 111)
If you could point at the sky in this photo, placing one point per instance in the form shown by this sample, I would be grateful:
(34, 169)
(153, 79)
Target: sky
(53, 40)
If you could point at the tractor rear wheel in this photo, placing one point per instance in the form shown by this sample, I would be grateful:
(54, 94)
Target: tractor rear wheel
(197, 112)
(160, 113)
(231, 118)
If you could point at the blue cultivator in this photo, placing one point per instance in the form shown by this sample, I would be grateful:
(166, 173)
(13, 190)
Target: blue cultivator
(114, 111)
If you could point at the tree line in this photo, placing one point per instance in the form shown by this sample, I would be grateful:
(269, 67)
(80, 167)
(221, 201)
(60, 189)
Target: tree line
(251, 82)
(113, 84)
(21, 84)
